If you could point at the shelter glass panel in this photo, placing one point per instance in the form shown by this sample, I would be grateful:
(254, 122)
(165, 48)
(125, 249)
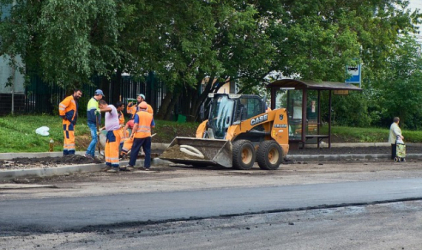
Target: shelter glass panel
(294, 109)
(312, 113)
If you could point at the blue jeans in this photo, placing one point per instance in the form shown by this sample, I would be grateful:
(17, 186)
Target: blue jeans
(91, 147)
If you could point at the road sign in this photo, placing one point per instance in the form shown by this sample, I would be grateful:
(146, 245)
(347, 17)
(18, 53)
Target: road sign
(355, 72)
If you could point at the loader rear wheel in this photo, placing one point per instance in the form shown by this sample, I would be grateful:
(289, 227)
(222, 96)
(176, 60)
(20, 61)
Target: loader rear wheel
(243, 154)
(269, 155)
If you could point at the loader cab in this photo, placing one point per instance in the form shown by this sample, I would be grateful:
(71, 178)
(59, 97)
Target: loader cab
(248, 106)
(228, 109)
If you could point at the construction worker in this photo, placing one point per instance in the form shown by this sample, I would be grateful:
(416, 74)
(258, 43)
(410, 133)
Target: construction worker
(133, 109)
(123, 128)
(120, 106)
(68, 111)
(93, 116)
(127, 145)
(141, 135)
(113, 136)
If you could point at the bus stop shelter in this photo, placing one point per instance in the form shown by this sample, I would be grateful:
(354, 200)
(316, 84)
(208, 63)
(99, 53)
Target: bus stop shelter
(302, 100)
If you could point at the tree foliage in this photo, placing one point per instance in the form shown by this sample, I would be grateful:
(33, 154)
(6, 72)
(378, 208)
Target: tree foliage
(185, 42)
(400, 87)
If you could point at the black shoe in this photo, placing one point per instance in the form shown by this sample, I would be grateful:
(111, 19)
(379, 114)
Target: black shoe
(127, 168)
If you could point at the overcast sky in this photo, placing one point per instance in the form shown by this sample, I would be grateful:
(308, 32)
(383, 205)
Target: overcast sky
(417, 4)
(413, 4)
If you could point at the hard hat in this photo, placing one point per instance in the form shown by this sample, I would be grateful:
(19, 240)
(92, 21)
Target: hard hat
(142, 95)
(143, 105)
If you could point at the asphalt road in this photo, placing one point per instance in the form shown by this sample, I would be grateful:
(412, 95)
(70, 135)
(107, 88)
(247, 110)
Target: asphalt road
(75, 213)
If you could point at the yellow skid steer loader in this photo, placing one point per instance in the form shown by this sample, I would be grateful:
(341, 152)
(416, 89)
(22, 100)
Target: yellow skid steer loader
(239, 132)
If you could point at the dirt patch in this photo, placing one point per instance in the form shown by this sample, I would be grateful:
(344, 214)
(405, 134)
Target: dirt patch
(22, 163)
(82, 142)
(174, 152)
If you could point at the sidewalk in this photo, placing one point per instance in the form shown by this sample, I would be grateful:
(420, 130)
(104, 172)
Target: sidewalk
(94, 167)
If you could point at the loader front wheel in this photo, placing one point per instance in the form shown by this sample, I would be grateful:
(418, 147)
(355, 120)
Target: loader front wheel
(243, 154)
(269, 155)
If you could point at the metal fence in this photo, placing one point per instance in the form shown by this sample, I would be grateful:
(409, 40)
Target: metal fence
(42, 97)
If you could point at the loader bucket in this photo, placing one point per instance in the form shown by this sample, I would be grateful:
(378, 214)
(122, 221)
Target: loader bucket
(216, 152)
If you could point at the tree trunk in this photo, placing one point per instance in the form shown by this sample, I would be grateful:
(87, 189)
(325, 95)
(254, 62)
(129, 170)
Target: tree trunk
(164, 106)
(115, 88)
(197, 102)
(170, 112)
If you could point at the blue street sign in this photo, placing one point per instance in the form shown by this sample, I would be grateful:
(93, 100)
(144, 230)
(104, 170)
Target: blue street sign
(355, 72)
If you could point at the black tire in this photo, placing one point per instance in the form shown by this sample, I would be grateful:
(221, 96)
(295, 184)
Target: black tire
(269, 155)
(244, 154)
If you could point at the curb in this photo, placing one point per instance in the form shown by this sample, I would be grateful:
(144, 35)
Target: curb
(358, 145)
(66, 170)
(348, 157)
(86, 168)
(8, 156)
(163, 146)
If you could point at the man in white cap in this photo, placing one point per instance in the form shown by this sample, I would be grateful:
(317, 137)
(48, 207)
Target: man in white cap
(133, 109)
(92, 112)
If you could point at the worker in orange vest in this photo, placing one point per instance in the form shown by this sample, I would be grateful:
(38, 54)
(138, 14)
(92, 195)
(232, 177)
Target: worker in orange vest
(127, 144)
(141, 135)
(68, 111)
(123, 128)
(133, 109)
(120, 106)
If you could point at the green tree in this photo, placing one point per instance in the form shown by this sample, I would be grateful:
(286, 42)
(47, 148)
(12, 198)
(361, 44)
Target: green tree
(65, 42)
(400, 87)
(184, 42)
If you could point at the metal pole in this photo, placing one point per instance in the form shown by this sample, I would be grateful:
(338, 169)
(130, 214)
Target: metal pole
(329, 122)
(13, 85)
(319, 112)
(273, 94)
(304, 105)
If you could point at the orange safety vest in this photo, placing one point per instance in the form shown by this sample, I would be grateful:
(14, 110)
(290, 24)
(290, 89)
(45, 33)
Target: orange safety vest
(121, 118)
(144, 125)
(68, 108)
(132, 110)
(150, 110)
